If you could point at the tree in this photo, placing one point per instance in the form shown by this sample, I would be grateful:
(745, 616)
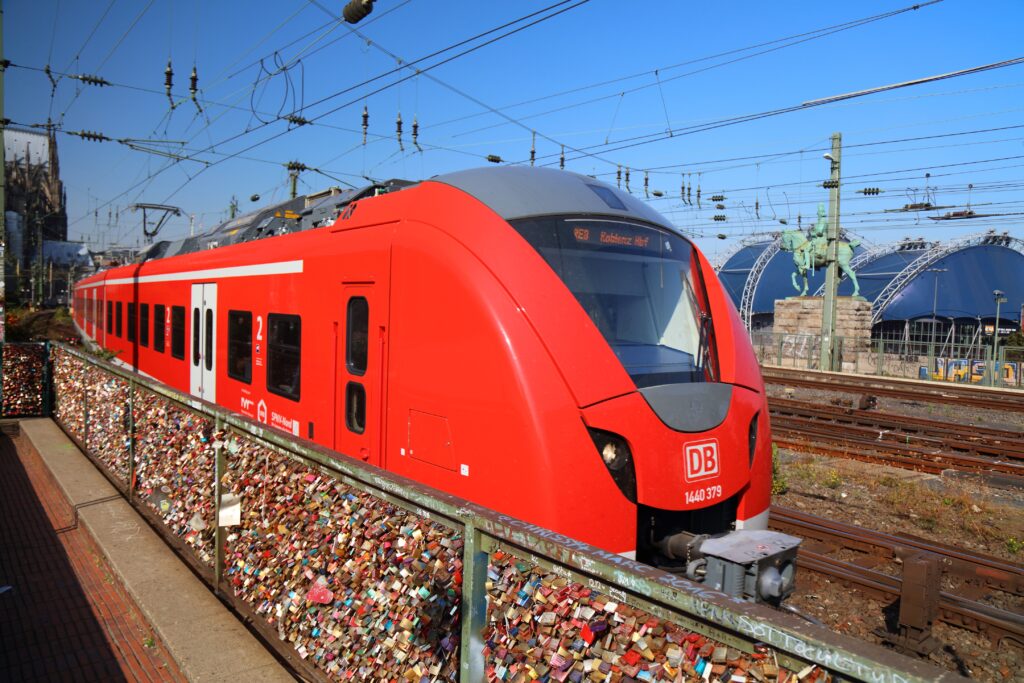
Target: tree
(1014, 345)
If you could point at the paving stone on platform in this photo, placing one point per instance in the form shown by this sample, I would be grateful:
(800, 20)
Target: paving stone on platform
(542, 626)
(24, 372)
(362, 589)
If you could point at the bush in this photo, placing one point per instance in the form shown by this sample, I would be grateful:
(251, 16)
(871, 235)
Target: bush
(779, 483)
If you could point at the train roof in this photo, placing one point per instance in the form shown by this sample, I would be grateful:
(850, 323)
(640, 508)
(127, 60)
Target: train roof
(510, 191)
(294, 215)
(522, 191)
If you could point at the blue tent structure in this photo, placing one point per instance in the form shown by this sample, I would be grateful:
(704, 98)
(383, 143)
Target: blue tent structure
(957, 281)
(877, 267)
(759, 272)
(906, 281)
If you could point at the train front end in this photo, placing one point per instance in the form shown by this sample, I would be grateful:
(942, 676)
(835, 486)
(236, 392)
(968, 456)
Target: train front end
(668, 388)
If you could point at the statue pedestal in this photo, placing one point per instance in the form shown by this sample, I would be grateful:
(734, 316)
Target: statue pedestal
(798, 319)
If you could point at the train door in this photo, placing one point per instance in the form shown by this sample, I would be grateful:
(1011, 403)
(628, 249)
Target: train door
(94, 315)
(203, 356)
(360, 361)
(101, 321)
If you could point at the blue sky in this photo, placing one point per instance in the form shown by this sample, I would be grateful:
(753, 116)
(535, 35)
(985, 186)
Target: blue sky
(492, 100)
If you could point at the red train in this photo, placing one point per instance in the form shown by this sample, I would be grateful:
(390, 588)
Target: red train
(533, 340)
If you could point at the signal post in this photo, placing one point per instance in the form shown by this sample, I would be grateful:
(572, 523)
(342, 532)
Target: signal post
(828, 307)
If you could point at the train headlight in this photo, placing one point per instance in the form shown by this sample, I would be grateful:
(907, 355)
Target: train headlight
(617, 457)
(613, 458)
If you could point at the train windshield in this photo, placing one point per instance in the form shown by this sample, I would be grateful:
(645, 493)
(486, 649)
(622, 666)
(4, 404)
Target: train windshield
(636, 283)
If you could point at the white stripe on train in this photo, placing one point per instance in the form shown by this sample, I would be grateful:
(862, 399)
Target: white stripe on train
(276, 268)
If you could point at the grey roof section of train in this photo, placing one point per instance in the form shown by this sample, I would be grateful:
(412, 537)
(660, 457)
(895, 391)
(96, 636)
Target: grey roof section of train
(523, 191)
(271, 221)
(510, 191)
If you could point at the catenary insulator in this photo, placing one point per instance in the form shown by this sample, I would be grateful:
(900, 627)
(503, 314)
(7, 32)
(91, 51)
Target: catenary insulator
(169, 82)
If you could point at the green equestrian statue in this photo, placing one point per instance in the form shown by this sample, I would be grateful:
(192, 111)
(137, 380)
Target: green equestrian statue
(811, 254)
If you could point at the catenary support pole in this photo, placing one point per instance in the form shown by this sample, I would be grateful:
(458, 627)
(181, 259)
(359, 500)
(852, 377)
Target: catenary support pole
(3, 205)
(828, 304)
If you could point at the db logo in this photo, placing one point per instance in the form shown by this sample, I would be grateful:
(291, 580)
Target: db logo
(701, 460)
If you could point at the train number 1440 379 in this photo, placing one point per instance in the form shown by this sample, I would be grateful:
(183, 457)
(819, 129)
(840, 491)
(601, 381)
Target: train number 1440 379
(704, 494)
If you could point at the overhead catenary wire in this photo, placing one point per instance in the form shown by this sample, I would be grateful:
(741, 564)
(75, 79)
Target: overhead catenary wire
(829, 29)
(228, 107)
(917, 81)
(671, 168)
(152, 175)
(639, 140)
(428, 132)
(110, 53)
(417, 72)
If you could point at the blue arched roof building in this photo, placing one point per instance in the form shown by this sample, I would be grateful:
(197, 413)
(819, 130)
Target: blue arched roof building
(909, 280)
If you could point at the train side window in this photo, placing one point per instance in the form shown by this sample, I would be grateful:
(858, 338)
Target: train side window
(144, 324)
(195, 336)
(110, 317)
(117, 322)
(357, 330)
(178, 332)
(240, 346)
(158, 327)
(131, 321)
(355, 407)
(284, 355)
(208, 342)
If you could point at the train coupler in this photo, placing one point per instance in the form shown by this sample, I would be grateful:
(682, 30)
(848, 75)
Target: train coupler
(754, 564)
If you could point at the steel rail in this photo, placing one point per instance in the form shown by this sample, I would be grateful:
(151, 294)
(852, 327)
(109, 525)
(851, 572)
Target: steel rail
(907, 429)
(992, 572)
(815, 437)
(956, 394)
(996, 623)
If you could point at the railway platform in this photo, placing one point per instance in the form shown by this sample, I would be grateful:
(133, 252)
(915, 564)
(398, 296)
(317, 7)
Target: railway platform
(93, 594)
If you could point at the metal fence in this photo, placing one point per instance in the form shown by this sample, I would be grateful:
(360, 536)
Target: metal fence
(25, 389)
(350, 571)
(964, 363)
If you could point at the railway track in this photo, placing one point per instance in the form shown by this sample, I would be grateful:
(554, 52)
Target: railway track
(934, 392)
(903, 429)
(903, 441)
(967, 578)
